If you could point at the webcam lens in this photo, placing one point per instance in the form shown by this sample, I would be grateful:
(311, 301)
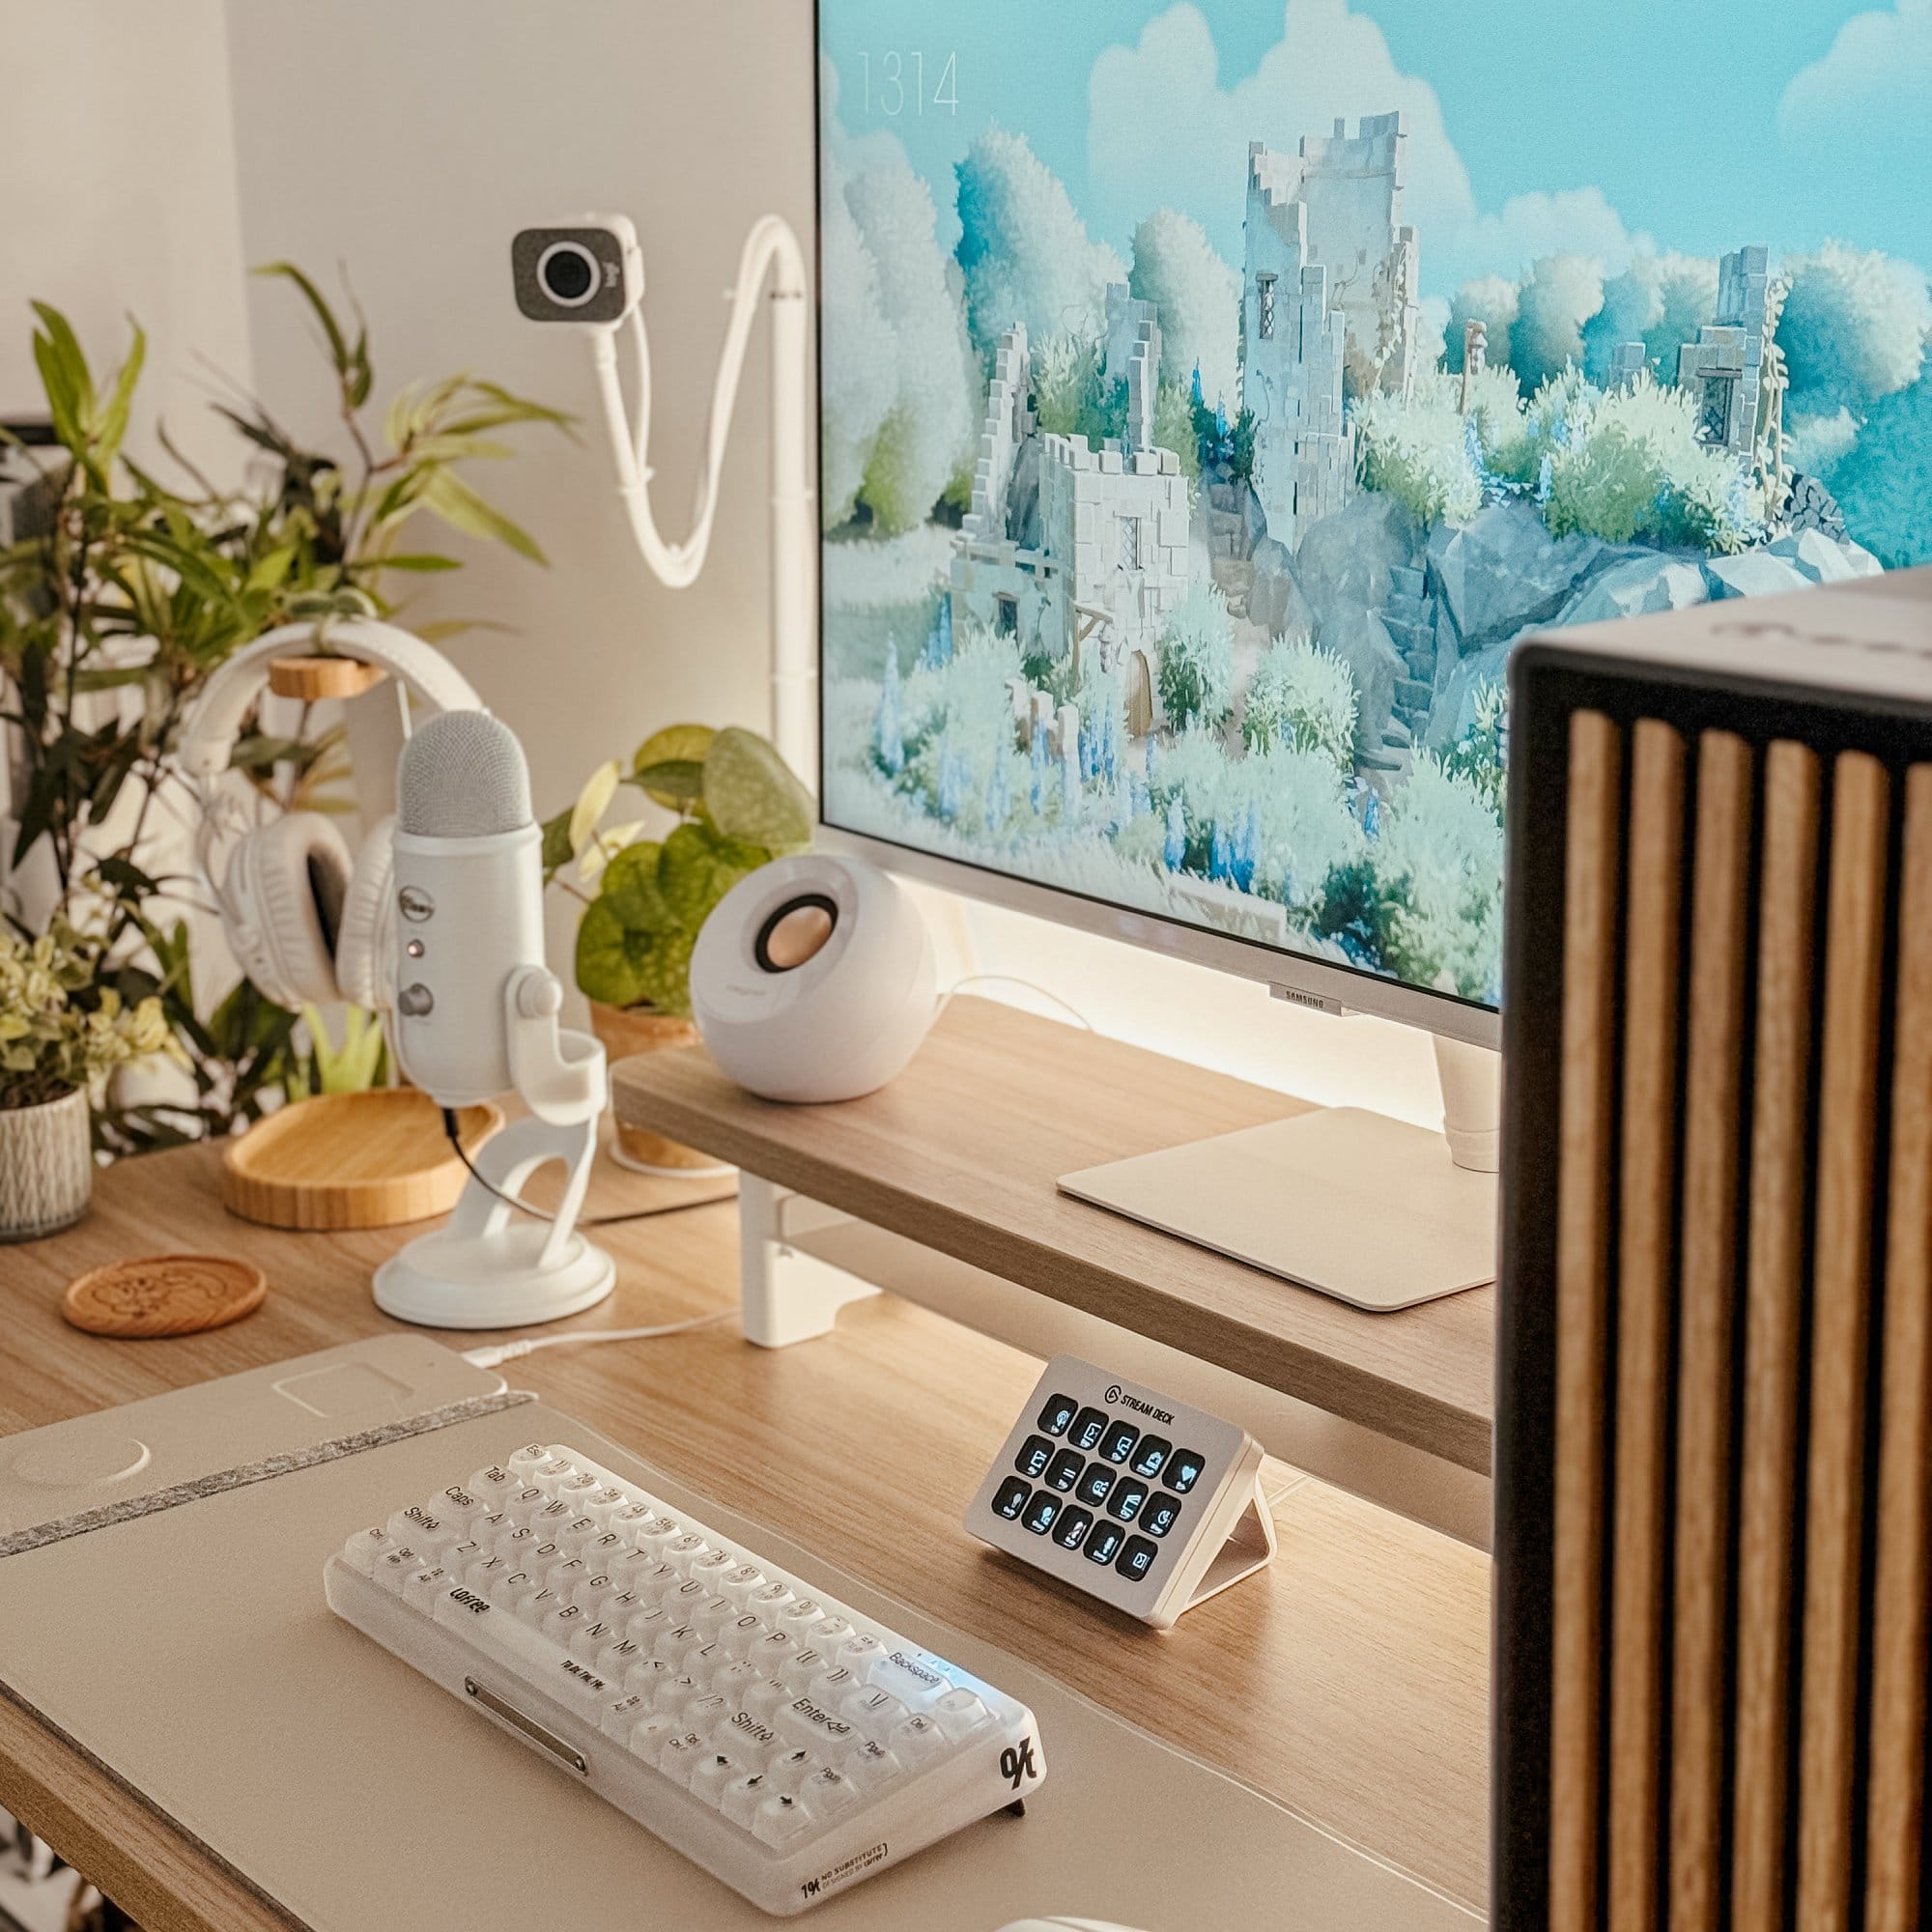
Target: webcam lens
(567, 272)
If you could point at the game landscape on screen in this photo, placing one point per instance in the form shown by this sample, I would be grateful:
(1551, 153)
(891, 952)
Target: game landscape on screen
(1213, 395)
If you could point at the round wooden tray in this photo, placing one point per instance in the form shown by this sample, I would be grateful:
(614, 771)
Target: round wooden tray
(351, 1160)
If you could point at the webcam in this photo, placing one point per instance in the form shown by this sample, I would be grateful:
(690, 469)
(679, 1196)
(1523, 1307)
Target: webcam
(590, 273)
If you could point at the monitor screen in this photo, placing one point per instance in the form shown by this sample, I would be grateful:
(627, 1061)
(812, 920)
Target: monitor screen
(1212, 393)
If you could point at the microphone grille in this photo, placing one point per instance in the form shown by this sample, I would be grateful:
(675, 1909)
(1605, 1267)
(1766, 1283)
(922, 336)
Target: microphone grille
(463, 776)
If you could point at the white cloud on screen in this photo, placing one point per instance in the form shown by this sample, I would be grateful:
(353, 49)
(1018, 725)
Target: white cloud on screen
(1880, 65)
(1162, 130)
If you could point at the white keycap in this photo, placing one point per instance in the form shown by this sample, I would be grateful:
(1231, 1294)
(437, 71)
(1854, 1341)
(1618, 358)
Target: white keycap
(362, 1550)
(425, 1531)
(876, 1712)
(872, 1766)
(494, 1482)
(681, 1756)
(828, 1792)
(740, 1636)
(527, 1459)
(459, 1504)
(618, 1720)
(916, 1739)
(683, 1549)
(788, 1769)
(421, 1587)
(712, 1775)
(650, 1734)
(394, 1565)
(959, 1713)
(744, 1795)
(737, 1585)
(782, 1821)
(817, 1728)
(916, 1685)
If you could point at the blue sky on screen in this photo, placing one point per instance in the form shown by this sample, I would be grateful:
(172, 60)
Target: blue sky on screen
(1607, 127)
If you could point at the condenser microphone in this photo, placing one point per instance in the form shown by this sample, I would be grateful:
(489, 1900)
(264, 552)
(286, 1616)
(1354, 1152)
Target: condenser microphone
(469, 903)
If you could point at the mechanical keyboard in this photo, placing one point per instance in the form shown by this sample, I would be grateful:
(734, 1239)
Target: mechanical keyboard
(779, 1739)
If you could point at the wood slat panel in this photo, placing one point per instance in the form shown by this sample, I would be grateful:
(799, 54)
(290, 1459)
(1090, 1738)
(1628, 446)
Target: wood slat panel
(1714, 1053)
(1894, 1809)
(1592, 871)
(1775, 1248)
(1840, 1304)
(1645, 1230)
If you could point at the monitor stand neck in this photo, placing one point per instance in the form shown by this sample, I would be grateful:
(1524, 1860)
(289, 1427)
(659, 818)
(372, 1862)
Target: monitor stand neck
(1374, 1212)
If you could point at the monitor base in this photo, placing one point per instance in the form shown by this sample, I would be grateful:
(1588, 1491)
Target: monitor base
(1370, 1211)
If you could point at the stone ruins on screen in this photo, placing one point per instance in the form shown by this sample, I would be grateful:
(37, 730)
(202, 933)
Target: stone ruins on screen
(1069, 548)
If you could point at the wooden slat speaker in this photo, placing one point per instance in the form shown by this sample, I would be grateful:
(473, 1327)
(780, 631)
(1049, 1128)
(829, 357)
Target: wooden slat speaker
(1714, 1484)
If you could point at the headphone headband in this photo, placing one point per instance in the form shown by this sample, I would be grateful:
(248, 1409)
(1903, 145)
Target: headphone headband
(209, 742)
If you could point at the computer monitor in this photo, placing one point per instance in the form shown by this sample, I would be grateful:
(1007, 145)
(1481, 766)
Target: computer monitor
(1213, 394)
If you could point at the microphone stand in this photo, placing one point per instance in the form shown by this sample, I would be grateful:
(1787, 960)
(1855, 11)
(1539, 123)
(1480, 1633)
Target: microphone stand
(481, 1270)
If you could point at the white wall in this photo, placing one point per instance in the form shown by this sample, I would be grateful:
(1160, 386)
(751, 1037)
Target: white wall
(409, 142)
(121, 200)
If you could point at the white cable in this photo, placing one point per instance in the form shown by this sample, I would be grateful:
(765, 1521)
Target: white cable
(1066, 1006)
(510, 1351)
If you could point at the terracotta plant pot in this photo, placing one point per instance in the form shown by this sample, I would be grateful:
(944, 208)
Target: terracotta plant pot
(47, 1167)
(629, 1030)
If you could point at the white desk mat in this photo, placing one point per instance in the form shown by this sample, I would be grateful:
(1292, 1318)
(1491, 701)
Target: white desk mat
(189, 1651)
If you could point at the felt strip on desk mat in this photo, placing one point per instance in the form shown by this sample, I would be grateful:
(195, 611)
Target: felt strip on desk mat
(360, 1797)
(270, 1466)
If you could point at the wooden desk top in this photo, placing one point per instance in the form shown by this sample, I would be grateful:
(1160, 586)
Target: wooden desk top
(961, 1153)
(1349, 1681)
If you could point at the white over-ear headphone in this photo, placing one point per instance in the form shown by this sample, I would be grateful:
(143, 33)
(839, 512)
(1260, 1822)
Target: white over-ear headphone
(305, 922)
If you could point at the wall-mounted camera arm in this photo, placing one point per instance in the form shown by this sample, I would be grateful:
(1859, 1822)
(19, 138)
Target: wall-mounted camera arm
(771, 260)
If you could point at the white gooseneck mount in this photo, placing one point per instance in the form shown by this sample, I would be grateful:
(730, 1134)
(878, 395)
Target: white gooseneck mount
(481, 1268)
(771, 253)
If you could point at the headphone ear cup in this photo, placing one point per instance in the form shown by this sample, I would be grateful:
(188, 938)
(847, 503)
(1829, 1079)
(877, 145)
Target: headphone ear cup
(289, 882)
(365, 949)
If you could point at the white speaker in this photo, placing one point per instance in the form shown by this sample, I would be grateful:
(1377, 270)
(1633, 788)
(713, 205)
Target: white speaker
(814, 979)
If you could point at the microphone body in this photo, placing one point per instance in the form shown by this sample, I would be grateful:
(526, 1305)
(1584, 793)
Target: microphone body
(474, 908)
(469, 886)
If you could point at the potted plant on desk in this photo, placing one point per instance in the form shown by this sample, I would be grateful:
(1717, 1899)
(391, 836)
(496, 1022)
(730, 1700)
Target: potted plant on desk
(63, 1029)
(738, 807)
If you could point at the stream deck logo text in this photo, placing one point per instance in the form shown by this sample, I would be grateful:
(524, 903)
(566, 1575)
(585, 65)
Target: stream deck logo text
(1118, 1395)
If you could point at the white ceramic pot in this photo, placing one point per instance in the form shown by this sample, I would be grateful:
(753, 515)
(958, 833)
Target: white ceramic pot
(47, 1167)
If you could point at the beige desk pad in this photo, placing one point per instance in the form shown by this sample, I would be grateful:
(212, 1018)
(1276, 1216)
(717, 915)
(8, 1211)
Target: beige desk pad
(189, 1651)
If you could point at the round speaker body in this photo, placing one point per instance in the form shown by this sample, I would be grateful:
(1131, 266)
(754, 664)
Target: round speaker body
(814, 979)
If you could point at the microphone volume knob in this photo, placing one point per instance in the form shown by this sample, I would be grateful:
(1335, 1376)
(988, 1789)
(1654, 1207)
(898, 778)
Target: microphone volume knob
(413, 1002)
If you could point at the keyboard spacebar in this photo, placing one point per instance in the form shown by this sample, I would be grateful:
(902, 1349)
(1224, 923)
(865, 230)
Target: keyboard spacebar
(496, 1633)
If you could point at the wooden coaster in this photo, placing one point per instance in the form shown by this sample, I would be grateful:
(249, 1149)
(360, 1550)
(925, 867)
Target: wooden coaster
(163, 1294)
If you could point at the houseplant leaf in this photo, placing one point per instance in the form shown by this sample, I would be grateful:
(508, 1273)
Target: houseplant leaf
(751, 793)
(659, 765)
(631, 892)
(610, 960)
(698, 867)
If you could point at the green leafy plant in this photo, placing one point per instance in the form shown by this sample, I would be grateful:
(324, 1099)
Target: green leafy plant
(738, 807)
(61, 1027)
(115, 612)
